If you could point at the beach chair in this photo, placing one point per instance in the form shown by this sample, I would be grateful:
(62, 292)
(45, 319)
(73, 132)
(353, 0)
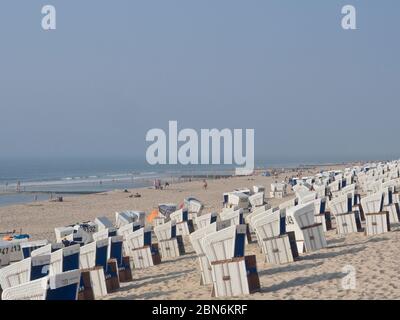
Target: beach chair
(65, 259)
(347, 220)
(194, 207)
(62, 286)
(390, 206)
(103, 276)
(257, 199)
(123, 262)
(23, 271)
(376, 220)
(322, 216)
(320, 190)
(5, 252)
(184, 226)
(236, 217)
(259, 215)
(10, 251)
(238, 199)
(139, 246)
(85, 232)
(278, 246)
(257, 189)
(62, 232)
(309, 235)
(278, 190)
(170, 244)
(196, 239)
(103, 234)
(255, 212)
(307, 197)
(127, 217)
(233, 274)
(29, 246)
(103, 223)
(206, 219)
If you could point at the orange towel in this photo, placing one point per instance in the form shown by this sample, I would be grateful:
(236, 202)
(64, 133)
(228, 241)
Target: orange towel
(152, 215)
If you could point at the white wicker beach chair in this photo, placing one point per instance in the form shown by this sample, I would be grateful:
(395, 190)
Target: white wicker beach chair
(184, 226)
(376, 220)
(257, 199)
(127, 217)
(196, 238)
(139, 246)
(62, 286)
(170, 244)
(232, 273)
(29, 269)
(206, 219)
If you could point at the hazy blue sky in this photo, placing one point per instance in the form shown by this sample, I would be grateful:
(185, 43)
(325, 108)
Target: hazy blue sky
(115, 69)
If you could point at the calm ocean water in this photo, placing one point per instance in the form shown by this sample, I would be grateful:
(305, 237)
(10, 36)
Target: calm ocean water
(40, 177)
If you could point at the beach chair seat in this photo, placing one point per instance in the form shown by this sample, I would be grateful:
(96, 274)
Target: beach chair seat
(21, 272)
(232, 273)
(257, 199)
(314, 237)
(123, 262)
(93, 282)
(297, 217)
(170, 244)
(193, 205)
(235, 217)
(171, 248)
(63, 286)
(12, 249)
(62, 232)
(257, 189)
(278, 246)
(394, 212)
(322, 216)
(5, 253)
(377, 223)
(84, 232)
(29, 246)
(349, 222)
(196, 239)
(391, 206)
(94, 257)
(238, 199)
(157, 221)
(146, 256)
(184, 226)
(281, 249)
(235, 277)
(103, 223)
(127, 217)
(206, 219)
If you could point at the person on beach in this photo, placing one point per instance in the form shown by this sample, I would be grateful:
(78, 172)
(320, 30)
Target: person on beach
(205, 184)
(166, 185)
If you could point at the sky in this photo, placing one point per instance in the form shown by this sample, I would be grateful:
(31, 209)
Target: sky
(112, 70)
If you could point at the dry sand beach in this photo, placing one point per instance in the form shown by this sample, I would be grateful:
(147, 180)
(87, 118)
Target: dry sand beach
(317, 275)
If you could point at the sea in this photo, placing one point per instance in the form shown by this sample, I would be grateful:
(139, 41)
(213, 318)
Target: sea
(25, 180)
(29, 180)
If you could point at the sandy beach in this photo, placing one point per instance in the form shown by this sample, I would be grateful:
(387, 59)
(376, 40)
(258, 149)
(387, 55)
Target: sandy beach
(316, 275)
